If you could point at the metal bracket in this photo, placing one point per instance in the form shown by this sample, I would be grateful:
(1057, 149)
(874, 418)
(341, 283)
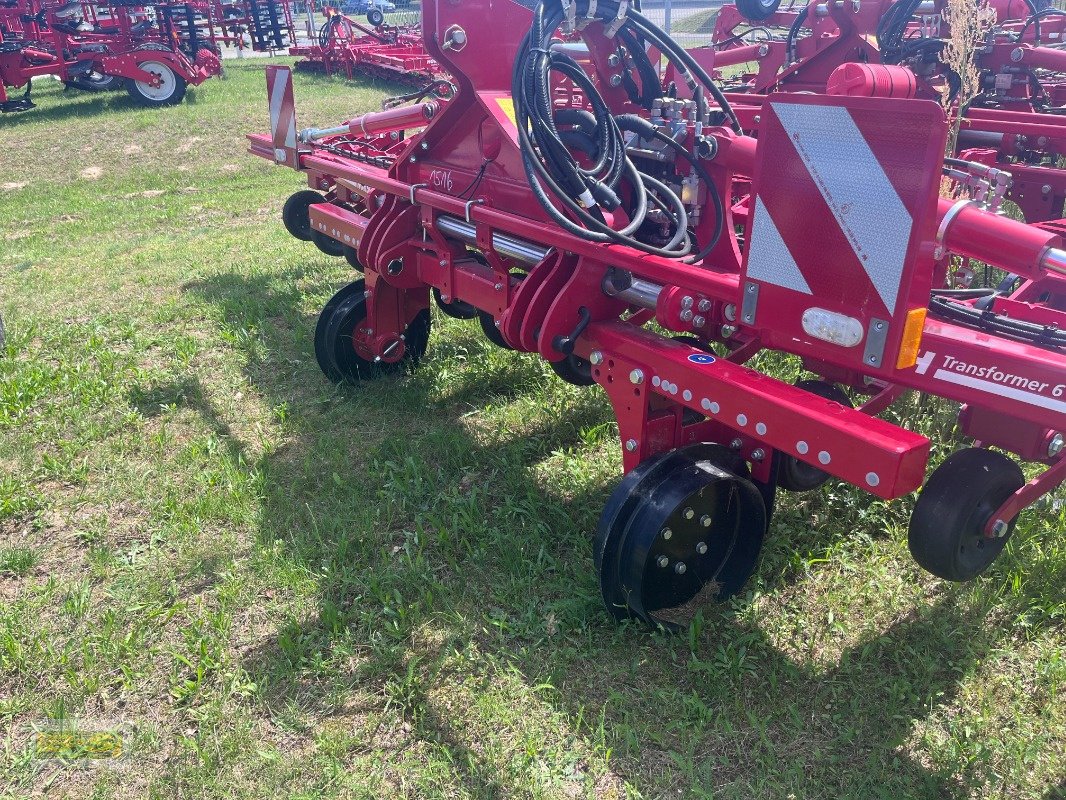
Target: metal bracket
(569, 15)
(414, 188)
(590, 16)
(468, 206)
(618, 21)
(876, 337)
(750, 304)
(939, 248)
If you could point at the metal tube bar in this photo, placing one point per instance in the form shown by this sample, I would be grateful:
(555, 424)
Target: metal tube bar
(508, 246)
(634, 291)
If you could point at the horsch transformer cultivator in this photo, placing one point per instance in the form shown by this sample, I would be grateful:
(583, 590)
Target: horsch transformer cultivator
(155, 49)
(566, 198)
(345, 45)
(1012, 123)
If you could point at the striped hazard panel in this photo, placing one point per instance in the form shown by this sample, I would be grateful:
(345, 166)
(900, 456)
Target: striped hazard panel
(844, 205)
(282, 115)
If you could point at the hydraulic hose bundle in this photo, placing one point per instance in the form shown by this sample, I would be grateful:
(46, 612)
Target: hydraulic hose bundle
(569, 190)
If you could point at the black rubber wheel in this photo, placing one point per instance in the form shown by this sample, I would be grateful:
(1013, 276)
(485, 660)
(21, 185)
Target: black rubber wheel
(333, 338)
(375, 17)
(678, 531)
(352, 257)
(295, 213)
(322, 352)
(946, 534)
(488, 326)
(794, 475)
(96, 82)
(169, 93)
(328, 245)
(574, 370)
(757, 10)
(456, 309)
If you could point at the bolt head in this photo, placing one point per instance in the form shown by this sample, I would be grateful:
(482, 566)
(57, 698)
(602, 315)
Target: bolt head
(698, 321)
(663, 561)
(636, 377)
(706, 521)
(730, 312)
(1055, 445)
(701, 548)
(631, 445)
(596, 357)
(616, 80)
(686, 302)
(704, 306)
(1000, 528)
(728, 330)
(680, 568)
(412, 159)
(443, 262)
(686, 315)
(688, 513)
(666, 533)
(424, 145)
(758, 454)
(498, 286)
(736, 444)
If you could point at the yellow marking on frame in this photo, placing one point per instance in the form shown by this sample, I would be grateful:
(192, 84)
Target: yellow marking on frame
(507, 107)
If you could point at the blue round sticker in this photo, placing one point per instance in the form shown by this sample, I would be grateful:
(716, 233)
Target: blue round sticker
(701, 358)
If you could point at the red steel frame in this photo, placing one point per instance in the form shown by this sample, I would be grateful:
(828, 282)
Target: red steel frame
(1012, 135)
(1014, 394)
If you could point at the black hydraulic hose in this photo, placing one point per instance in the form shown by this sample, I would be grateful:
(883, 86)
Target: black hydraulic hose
(1030, 333)
(647, 131)
(1034, 21)
(551, 168)
(680, 56)
(793, 34)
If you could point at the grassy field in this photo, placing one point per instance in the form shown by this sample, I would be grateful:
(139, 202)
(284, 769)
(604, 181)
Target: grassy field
(278, 588)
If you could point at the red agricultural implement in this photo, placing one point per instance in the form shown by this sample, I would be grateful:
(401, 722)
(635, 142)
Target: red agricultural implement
(1013, 123)
(154, 49)
(345, 45)
(568, 204)
(97, 47)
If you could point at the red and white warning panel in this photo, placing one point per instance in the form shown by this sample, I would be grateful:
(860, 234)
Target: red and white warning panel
(841, 226)
(282, 115)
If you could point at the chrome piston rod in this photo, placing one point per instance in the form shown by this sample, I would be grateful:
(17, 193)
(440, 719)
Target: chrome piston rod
(616, 283)
(508, 246)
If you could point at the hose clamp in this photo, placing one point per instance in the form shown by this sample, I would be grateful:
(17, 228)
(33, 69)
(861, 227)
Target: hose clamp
(569, 15)
(939, 247)
(618, 21)
(590, 16)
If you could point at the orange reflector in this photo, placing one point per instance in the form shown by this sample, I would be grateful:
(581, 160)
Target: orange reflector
(912, 338)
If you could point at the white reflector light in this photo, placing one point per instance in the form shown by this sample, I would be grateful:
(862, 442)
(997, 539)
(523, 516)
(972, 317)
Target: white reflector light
(832, 327)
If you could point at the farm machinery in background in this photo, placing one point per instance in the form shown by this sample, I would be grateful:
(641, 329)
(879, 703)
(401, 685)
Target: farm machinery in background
(1013, 123)
(155, 50)
(576, 206)
(376, 49)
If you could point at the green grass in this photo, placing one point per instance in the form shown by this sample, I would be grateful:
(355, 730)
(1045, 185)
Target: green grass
(700, 22)
(280, 588)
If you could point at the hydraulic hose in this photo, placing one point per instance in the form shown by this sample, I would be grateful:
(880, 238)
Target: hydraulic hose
(576, 196)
